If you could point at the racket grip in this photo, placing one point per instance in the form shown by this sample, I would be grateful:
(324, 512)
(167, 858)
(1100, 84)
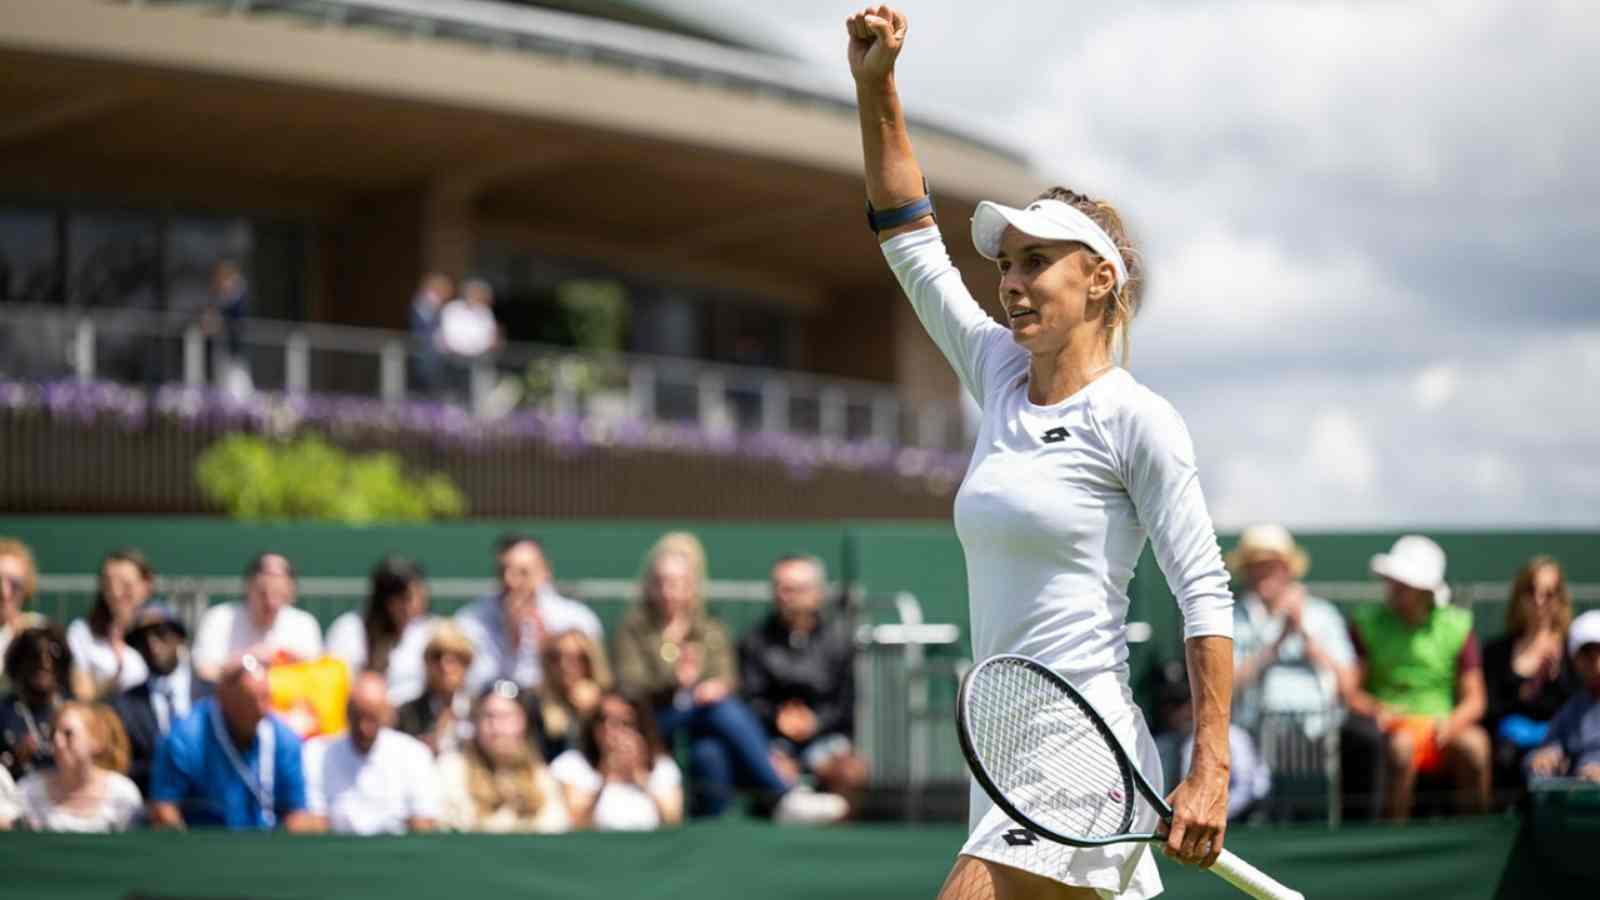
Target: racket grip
(1250, 879)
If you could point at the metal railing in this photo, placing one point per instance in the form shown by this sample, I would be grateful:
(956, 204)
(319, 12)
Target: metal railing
(296, 358)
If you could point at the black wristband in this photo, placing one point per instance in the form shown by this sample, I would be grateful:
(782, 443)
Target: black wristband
(901, 215)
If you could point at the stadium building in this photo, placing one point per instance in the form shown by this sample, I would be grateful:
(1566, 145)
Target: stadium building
(340, 150)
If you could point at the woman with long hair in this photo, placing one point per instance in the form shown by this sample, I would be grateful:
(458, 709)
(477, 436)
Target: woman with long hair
(19, 579)
(1526, 670)
(678, 659)
(106, 665)
(498, 782)
(87, 790)
(389, 634)
(576, 676)
(620, 777)
(1075, 465)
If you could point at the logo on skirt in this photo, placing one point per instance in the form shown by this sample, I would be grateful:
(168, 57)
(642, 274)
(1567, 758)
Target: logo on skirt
(1020, 837)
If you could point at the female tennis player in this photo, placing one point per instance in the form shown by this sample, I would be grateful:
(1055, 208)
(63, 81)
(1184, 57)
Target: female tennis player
(1075, 464)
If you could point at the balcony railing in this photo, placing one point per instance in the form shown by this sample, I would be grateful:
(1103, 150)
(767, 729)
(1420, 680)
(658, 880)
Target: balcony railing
(298, 358)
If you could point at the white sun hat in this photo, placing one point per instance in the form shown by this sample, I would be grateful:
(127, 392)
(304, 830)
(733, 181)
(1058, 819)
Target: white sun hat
(1051, 220)
(1416, 562)
(1585, 629)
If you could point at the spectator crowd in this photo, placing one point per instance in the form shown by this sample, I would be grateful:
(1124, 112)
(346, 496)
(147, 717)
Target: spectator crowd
(507, 717)
(519, 713)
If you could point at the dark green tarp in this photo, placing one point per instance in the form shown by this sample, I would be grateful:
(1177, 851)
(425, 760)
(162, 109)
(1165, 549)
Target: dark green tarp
(1457, 860)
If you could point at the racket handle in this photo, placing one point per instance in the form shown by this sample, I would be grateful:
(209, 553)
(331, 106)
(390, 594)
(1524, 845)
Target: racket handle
(1250, 879)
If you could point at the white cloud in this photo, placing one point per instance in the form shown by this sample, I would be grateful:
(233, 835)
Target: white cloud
(1434, 386)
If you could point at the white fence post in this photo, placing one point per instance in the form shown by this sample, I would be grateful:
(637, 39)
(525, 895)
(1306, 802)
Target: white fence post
(775, 406)
(194, 357)
(297, 364)
(642, 392)
(83, 350)
(831, 417)
(392, 372)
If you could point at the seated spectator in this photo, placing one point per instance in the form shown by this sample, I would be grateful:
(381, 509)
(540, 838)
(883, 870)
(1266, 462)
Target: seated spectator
(1249, 778)
(106, 664)
(576, 674)
(620, 777)
(1421, 680)
(442, 717)
(1572, 746)
(1291, 650)
(266, 625)
(388, 636)
(231, 762)
(86, 791)
(39, 666)
(508, 627)
(150, 710)
(797, 673)
(371, 779)
(675, 657)
(498, 782)
(19, 578)
(1526, 670)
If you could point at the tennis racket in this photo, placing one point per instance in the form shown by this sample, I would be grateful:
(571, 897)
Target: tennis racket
(1046, 757)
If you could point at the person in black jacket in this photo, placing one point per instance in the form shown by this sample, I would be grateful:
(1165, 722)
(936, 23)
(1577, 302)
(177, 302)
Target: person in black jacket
(150, 709)
(1526, 671)
(796, 673)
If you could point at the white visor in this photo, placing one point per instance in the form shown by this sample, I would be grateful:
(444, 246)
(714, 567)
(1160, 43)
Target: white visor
(1051, 220)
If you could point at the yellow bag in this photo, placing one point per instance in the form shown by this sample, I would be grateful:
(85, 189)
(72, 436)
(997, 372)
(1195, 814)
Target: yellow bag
(311, 696)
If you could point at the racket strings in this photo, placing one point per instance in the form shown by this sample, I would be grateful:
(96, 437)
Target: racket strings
(1045, 753)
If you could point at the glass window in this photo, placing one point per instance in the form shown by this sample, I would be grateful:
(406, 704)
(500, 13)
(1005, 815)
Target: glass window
(194, 247)
(114, 260)
(28, 256)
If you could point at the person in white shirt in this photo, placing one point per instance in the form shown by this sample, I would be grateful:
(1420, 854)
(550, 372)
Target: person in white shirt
(266, 625)
(371, 779)
(620, 777)
(388, 637)
(508, 628)
(104, 662)
(467, 326)
(1075, 464)
(84, 792)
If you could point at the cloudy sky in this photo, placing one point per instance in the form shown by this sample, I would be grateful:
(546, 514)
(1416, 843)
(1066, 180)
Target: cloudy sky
(1372, 228)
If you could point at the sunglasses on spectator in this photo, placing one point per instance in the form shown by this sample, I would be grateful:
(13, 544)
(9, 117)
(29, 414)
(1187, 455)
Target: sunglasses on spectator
(13, 582)
(435, 656)
(504, 687)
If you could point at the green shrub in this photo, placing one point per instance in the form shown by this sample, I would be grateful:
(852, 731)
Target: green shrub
(253, 478)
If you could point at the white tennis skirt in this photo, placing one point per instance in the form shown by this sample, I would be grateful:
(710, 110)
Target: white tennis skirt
(1126, 871)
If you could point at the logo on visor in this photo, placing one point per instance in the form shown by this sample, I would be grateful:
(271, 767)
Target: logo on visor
(1054, 436)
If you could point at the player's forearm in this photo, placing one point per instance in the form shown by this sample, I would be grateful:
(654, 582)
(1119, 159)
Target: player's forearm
(893, 176)
(1210, 659)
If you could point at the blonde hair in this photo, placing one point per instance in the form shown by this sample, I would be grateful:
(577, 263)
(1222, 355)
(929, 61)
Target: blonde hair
(1125, 301)
(553, 707)
(676, 543)
(1516, 617)
(494, 785)
(449, 639)
(16, 548)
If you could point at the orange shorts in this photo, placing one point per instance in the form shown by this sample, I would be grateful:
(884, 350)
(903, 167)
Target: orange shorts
(1426, 756)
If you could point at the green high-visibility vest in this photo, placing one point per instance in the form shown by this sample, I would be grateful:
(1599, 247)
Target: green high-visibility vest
(1413, 669)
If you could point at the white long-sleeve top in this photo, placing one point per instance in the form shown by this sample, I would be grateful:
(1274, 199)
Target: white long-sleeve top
(1057, 500)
